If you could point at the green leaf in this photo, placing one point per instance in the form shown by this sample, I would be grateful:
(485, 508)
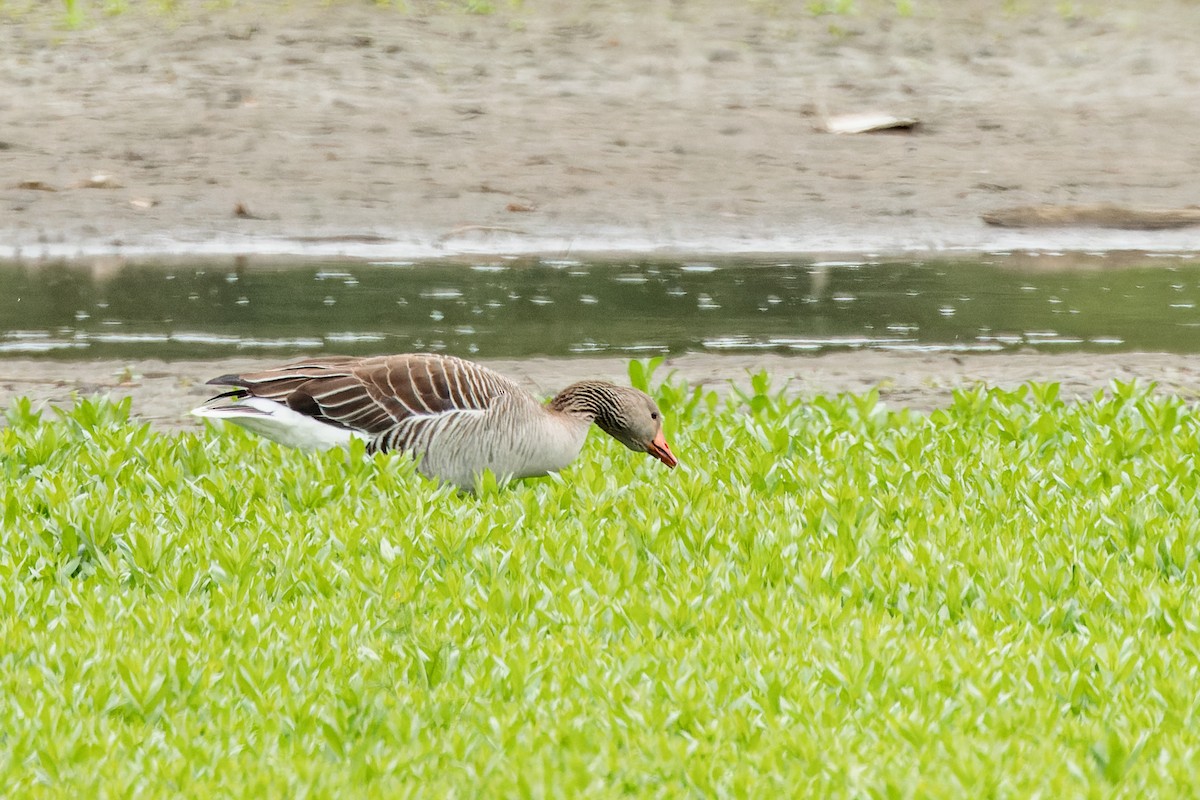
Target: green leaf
(829, 593)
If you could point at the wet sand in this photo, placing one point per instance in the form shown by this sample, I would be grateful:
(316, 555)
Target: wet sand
(562, 127)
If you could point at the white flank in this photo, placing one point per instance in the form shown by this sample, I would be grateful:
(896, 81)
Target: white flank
(279, 423)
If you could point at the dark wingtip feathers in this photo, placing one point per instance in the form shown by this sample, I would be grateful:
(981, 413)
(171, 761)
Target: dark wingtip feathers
(227, 380)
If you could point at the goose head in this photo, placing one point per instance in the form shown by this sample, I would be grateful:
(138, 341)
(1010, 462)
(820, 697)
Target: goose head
(628, 415)
(635, 421)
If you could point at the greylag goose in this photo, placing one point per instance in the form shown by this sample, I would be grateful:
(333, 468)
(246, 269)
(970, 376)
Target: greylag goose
(458, 417)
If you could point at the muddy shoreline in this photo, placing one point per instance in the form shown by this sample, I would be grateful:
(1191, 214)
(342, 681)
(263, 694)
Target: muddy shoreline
(559, 127)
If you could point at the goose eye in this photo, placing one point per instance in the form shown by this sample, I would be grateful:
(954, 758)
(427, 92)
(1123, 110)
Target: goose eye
(653, 415)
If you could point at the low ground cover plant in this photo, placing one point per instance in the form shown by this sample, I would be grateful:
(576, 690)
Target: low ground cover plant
(828, 598)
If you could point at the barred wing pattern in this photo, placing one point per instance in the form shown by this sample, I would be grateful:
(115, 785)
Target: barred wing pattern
(399, 402)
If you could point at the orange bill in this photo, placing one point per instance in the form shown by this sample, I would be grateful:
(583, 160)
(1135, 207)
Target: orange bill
(661, 450)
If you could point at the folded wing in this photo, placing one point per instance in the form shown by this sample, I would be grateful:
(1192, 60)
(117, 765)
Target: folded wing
(375, 397)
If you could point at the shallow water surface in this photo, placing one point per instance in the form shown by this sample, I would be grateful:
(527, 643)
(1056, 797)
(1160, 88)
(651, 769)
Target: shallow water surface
(513, 308)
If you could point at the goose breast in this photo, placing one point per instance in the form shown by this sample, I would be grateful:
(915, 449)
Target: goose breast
(515, 437)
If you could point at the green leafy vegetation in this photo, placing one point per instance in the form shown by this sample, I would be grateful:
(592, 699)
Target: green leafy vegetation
(827, 598)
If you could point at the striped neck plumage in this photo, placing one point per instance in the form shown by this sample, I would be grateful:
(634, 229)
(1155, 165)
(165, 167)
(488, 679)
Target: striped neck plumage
(595, 400)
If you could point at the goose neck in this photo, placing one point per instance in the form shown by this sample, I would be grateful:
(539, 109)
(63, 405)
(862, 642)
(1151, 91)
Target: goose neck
(591, 400)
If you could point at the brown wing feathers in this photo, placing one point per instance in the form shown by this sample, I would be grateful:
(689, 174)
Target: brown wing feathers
(372, 394)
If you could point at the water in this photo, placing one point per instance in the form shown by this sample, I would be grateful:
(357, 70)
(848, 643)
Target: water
(515, 308)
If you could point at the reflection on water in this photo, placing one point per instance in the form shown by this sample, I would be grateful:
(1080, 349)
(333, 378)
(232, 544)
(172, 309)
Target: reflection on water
(553, 307)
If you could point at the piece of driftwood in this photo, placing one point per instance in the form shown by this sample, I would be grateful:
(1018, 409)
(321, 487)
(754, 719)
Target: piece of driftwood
(1094, 216)
(868, 122)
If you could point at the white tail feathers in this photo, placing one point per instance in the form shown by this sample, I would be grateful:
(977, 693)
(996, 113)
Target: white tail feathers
(277, 422)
